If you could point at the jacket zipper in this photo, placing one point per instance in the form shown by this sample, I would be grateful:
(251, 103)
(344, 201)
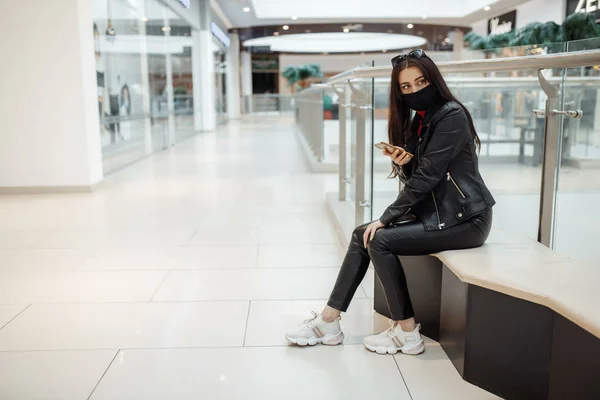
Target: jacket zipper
(451, 179)
(437, 212)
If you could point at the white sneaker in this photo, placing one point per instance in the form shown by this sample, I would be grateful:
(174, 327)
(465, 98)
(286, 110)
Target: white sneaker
(315, 330)
(395, 339)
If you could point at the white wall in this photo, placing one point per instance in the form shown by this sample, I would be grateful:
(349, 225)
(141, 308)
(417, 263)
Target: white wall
(50, 126)
(528, 12)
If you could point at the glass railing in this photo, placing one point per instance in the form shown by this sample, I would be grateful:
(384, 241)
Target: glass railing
(544, 171)
(269, 104)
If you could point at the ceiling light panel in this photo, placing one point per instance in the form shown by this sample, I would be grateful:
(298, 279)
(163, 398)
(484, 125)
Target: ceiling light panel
(307, 9)
(337, 42)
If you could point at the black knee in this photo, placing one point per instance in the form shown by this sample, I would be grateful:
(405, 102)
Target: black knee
(377, 245)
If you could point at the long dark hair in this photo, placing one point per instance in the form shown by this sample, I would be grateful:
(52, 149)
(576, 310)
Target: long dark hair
(400, 120)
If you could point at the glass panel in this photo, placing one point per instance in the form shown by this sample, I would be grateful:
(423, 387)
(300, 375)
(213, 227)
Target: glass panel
(121, 65)
(385, 190)
(220, 84)
(180, 48)
(512, 142)
(578, 191)
(144, 78)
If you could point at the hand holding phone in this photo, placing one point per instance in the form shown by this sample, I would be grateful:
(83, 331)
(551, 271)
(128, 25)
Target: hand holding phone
(398, 155)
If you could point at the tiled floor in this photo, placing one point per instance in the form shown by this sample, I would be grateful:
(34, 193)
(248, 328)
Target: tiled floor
(177, 279)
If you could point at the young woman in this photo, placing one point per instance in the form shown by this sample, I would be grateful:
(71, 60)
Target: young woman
(444, 205)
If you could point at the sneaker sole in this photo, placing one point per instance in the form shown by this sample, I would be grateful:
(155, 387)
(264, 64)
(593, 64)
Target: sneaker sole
(418, 349)
(327, 340)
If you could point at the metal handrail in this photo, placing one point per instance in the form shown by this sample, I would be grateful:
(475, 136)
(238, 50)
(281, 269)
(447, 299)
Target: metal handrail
(546, 61)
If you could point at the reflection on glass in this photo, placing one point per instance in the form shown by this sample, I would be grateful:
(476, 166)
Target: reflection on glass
(578, 189)
(134, 39)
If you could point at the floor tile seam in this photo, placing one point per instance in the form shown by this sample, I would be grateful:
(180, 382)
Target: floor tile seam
(104, 374)
(15, 317)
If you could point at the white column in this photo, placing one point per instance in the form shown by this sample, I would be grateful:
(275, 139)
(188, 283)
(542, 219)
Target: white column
(50, 136)
(246, 77)
(233, 77)
(203, 65)
(197, 81)
(457, 40)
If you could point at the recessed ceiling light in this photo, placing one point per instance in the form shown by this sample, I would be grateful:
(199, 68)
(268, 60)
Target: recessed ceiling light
(346, 30)
(447, 40)
(275, 33)
(384, 51)
(294, 18)
(166, 29)
(410, 26)
(424, 16)
(286, 27)
(487, 8)
(246, 9)
(145, 19)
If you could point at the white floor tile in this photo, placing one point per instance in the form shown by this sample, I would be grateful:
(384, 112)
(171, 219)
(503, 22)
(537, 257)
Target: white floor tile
(209, 257)
(41, 260)
(18, 239)
(64, 375)
(80, 287)
(368, 284)
(225, 235)
(269, 320)
(8, 312)
(297, 256)
(100, 238)
(248, 284)
(296, 234)
(120, 326)
(344, 372)
(432, 375)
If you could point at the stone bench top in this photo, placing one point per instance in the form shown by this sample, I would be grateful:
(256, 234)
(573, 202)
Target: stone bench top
(523, 268)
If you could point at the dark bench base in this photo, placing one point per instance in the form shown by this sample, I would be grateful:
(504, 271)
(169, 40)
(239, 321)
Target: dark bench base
(513, 348)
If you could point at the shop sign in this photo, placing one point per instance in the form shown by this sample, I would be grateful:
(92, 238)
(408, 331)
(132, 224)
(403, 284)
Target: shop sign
(505, 23)
(584, 6)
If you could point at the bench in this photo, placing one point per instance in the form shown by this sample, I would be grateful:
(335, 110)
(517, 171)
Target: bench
(514, 317)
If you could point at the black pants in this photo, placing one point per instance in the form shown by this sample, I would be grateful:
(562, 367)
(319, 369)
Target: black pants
(409, 239)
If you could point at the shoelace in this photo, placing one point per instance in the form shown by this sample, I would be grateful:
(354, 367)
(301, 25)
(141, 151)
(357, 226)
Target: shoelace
(311, 321)
(390, 333)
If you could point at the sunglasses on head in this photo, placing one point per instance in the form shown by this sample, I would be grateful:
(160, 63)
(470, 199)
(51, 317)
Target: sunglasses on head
(416, 54)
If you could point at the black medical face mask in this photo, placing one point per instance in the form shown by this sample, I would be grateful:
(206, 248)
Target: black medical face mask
(421, 100)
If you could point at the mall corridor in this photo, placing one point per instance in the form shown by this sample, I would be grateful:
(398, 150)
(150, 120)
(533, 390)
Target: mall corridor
(177, 278)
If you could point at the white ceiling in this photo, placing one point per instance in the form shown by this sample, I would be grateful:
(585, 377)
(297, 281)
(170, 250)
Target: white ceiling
(337, 42)
(440, 12)
(274, 9)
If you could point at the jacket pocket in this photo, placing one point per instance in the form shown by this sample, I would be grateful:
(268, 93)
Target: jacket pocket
(449, 178)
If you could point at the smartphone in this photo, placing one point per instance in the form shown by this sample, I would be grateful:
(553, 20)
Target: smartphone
(389, 147)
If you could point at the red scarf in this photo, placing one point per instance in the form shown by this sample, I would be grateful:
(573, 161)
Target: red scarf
(422, 114)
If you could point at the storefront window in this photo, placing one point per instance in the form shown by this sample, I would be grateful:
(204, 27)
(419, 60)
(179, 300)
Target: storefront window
(144, 78)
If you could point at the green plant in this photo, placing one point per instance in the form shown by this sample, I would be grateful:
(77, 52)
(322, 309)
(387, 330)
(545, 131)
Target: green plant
(487, 43)
(299, 75)
(537, 33)
(579, 26)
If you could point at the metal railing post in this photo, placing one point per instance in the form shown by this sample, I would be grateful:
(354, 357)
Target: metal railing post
(550, 163)
(344, 106)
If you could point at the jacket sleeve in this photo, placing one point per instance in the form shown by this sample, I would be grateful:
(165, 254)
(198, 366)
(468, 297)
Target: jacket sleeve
(449, 136)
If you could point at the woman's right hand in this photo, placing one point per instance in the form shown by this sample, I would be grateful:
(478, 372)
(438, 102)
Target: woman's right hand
(399, 156)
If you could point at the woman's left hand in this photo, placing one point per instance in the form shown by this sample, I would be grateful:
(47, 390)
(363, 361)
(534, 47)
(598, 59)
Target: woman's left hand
(370, 232)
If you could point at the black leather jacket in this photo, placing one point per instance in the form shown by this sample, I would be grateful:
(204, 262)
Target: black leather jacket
(442, 184)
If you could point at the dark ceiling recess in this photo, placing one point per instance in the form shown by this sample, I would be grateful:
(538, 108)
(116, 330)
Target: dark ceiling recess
(435, 34)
